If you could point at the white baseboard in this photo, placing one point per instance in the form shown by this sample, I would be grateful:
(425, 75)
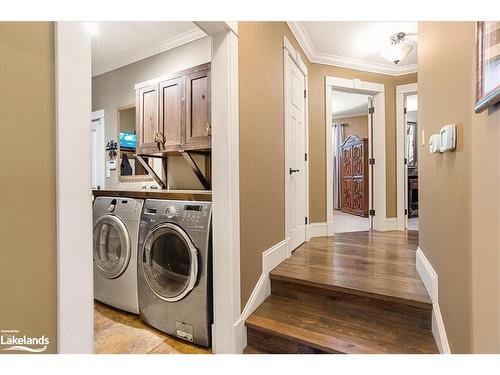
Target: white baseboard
(430, 279)
(316, 230)
(270, 259)
(383, 224)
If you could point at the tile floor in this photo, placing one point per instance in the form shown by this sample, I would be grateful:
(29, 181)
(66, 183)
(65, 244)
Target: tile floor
(412, 224)
(343, 222)
(119, 332)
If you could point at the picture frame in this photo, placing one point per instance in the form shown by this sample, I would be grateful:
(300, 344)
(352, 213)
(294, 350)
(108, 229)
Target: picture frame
(487, 64)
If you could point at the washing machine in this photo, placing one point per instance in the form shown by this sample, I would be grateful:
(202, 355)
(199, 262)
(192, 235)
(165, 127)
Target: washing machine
(116, 230)
(174, 268)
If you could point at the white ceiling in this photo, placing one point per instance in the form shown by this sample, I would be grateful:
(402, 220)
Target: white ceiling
(117, 44)
(355, 45)
(346, 104)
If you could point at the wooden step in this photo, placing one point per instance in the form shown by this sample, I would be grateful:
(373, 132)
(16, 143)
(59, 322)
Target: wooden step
(250, 350)
(287, 325)
(417, 314)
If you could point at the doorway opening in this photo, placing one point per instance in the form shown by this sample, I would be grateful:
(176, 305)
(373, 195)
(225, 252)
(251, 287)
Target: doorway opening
(351, 141)
(411, 161)
(407, 157)
(355, 119)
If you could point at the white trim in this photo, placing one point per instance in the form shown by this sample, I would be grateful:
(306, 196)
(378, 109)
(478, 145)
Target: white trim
(75, 290)
(378, 144)
(289, 51)
(316, 230)
(317, 57)
(97, 115)
(430, 279)
(401, 92)
(271, 258)
(171, 43)
(73, 100)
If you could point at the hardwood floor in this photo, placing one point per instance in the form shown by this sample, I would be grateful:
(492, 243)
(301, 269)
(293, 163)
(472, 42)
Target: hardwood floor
(119, 332)
(353, 293)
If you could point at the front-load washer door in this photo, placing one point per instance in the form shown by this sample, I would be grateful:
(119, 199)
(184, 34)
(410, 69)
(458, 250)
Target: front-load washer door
(169, 262)
(112, 246)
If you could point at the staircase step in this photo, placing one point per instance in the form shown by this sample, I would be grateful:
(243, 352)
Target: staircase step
(287, 325)
(335, 299)
(251, 350)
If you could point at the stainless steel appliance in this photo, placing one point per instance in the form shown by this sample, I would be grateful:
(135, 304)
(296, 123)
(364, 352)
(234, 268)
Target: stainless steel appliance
(174, 268)
(116, 230)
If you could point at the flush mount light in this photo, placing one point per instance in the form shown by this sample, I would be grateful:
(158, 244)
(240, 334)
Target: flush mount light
(92, 28)
(398, 49)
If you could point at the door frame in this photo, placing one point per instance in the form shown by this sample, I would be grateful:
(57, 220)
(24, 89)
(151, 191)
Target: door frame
(101, 127)
(402, 91)
(377, 90)
(73, 201)
(290, 51)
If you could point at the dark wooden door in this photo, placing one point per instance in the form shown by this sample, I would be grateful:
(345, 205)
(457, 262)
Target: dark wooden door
(198, 127)
(354, 176)
(147, 118)
(172, 114)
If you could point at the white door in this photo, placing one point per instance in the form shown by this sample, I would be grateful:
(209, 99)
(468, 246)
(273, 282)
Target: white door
(98, 150)
(371, 159)
(295, 149)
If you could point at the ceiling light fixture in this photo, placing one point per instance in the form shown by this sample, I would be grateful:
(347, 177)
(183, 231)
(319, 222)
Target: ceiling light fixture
(398, 48)
(92, 28)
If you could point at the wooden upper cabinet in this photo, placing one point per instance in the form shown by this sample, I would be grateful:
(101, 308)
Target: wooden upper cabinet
(198, 119)
(172, 113)
(147, 124)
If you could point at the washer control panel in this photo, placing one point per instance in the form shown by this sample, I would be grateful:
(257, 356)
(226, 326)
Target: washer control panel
(190, 214)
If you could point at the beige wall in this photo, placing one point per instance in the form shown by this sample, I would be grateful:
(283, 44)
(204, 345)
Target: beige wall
(262, 205)
(317, 133)
(27, 191)
(357, 125)
(459, 191)
(116, 89)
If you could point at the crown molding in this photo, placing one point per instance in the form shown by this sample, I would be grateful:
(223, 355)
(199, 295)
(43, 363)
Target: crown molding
(344, 62)
(175, 41)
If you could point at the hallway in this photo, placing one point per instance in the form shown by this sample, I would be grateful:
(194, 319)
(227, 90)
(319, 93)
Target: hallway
(352, 293)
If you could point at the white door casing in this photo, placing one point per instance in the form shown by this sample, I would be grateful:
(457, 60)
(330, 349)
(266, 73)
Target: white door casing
(402, 92)
(295, 82)
(98, 155)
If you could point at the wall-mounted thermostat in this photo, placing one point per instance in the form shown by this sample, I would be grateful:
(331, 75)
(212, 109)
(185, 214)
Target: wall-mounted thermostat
(448, 137)
(435, 144)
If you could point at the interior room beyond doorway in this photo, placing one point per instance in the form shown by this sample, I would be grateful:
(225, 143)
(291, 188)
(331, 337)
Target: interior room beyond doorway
(350, 141)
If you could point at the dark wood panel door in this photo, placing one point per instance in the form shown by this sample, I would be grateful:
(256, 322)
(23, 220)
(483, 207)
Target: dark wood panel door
(147, 124)
(346, 162)
(198, 128)
(357, 160)
(358, 196)
(172, 114)
(346, 198)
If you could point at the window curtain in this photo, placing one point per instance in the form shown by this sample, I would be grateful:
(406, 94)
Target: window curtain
(338, 139)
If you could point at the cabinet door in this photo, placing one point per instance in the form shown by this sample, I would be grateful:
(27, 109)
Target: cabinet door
(172, 113)
(147, 117)
(358, 196)
(357, 160)
(346, 162)
(198, 116)
(346, 195)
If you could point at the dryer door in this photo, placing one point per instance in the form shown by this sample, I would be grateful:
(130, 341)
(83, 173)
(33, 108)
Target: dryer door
(111, 246)
(169, 262)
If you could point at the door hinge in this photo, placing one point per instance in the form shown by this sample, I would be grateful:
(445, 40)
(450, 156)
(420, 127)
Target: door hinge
(405, 111)
(406, 211)
(371, 161)
(406, 161)
(371, 212)
(305, 156)
(371, 110)
(306, 220)
(305, 93)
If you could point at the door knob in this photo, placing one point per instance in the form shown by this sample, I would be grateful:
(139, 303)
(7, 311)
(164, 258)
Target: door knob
(294, 171)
